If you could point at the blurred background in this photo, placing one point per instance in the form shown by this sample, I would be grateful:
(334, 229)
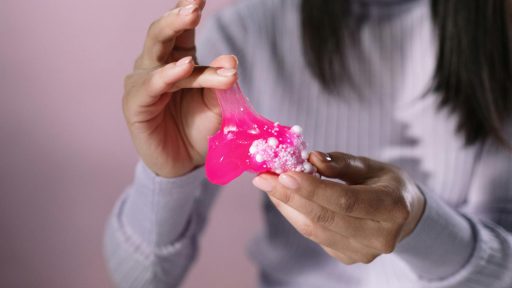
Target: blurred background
(65, 154)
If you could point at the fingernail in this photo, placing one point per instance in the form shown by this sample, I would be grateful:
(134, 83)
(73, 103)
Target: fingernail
(236, 59)
(184, 61)
(321, 157)
(288, 181)
(226, 71)
(262, 183)
(187, 10)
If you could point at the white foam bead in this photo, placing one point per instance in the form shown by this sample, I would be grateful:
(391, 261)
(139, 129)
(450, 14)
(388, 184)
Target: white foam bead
(308, 168)
(259, 158)
(272, 141)
(296, 129)
(304, 155)
(252, 149)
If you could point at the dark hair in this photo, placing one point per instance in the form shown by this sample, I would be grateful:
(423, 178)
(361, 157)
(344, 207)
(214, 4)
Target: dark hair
(473, 75)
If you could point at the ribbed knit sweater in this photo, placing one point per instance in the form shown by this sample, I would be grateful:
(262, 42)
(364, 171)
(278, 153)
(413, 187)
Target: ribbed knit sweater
(386, 112)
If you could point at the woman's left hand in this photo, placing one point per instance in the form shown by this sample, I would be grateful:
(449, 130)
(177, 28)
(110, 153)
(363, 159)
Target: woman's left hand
(354, 222)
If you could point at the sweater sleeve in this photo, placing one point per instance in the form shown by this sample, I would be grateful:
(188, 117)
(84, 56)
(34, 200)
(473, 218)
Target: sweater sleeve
(152, 234)
(470, 246)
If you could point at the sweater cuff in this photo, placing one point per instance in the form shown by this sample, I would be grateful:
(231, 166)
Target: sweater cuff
(157, 210)
(442, 243)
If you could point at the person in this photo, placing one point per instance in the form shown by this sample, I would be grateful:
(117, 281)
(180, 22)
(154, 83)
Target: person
(420, 89)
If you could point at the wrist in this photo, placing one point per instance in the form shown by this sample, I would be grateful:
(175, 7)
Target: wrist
(417, 208)
(170, 172)
(440, 244)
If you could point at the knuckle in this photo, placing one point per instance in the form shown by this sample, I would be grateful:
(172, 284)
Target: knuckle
(387, 244)
(367, 259)
(138, 62)
(346, 204)
(395, 201)
(403, 214)
(287, 196)
(157, 78)
(150, 81)
(343, 160)
(346, 261)
(128, 82)
(325, 217)
(153, 27)
(309, 192)
(401, 211)
(194, 21)
(387, 188)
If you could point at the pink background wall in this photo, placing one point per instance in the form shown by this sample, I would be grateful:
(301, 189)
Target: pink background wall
(65, 155)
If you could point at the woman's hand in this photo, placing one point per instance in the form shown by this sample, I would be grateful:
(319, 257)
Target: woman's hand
(169, 107)
(353, 222)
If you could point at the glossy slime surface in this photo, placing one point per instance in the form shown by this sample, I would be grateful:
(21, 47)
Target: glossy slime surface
(246, 141)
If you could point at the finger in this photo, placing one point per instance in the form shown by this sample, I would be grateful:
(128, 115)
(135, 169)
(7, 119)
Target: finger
(164, 79)
(146, 88)
(357, 201)
(163, 32)
(145, 92)
(346, 167)
(370, 233)
(208, 77)
(184, 44)
(221, 74)
(348, 226)
(226, 61)
(321, 235)
(209, 96)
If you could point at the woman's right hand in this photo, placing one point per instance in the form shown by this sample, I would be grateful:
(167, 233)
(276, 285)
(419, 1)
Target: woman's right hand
(169, 103)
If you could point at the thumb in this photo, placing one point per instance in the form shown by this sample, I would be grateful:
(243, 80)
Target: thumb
(348, 168)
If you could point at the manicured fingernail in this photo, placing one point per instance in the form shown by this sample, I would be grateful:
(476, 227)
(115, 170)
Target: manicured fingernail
(226, 71)
(321, 157)
(187, 10)
(261, 182)
(184, 61)
(288, 181)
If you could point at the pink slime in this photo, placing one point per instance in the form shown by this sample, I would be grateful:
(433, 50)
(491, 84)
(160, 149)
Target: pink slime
(246, 141)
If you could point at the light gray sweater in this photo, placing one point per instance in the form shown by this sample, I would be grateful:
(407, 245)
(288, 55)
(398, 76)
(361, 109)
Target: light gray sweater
(463, 239)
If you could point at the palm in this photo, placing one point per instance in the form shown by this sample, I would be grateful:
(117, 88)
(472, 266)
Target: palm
(170, 129)
(176, 138)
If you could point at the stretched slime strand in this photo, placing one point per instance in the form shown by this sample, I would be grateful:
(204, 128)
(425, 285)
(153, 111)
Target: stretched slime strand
(247, 141)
